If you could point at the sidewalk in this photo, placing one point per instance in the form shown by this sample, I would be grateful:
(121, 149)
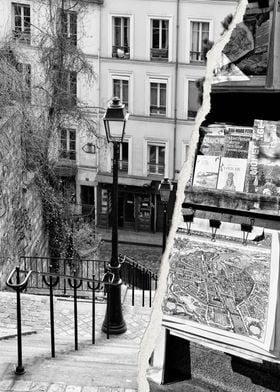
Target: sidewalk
(133, 237)
(108, 366)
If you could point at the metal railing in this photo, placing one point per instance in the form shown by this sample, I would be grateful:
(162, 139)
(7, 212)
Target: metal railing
(159, 54)
(62, 266)
(133, 274)
(136, 276)
(156, 168)
(67, 154)
(196, 55)
(18, 280)
(22, 36)
(122, 52)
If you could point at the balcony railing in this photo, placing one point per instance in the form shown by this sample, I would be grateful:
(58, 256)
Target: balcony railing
(123, 166)
(192, 114)
(67, 154)
(121, 52)
(72, 40)
(157, 111)
(197, 56)
(22, 36)
(159, 54)
(156, 168)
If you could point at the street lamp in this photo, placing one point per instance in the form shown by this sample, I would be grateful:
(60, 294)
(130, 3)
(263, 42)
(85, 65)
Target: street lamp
(165, 189)
(115, 120)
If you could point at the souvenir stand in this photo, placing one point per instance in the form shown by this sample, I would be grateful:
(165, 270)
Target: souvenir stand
(240, 191)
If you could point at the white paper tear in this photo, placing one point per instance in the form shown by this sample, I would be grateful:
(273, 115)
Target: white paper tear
(154, 327)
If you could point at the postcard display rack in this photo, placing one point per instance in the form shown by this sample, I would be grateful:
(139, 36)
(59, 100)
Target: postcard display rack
(223, 282)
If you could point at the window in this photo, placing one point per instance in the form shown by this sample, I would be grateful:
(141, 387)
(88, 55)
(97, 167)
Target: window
(159, 49)
(69, 26)
(199, 33)
(67, 88)
(193, 99)
(156, 159)
(120, 89)
(21, 28)
(68, 144)
(25, 70)
(158, 99)
(121, 26)
(123, 157)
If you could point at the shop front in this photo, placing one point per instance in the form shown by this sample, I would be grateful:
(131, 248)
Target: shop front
(139, 207)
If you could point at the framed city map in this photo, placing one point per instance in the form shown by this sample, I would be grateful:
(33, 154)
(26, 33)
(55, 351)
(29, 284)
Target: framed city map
(223, 291)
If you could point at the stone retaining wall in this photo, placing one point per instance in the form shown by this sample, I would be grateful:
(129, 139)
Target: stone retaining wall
(21, 223)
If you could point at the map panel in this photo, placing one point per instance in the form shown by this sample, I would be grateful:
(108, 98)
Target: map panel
(219, 285)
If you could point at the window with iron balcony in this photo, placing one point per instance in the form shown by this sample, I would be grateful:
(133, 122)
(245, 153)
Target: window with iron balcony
(199, 35)
(160, 37)
(156, 159)
(21, 23)
(67, 144)
(121, 37)
(68, 20)
(123, 157)
(158, 99)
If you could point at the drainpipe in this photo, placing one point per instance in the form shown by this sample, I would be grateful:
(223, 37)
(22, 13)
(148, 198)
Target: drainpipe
(176, 90)
(98, 117)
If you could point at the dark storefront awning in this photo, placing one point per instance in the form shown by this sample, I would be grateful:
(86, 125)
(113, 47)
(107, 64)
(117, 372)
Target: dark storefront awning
(108, 179)
(66, 171)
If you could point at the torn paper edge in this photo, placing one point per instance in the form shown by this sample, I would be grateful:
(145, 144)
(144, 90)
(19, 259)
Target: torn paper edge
(154, 326)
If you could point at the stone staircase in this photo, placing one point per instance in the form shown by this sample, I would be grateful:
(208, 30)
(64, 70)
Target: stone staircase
(108, 363)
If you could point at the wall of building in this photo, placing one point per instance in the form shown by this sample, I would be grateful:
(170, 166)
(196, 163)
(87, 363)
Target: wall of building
(139, 70)
(95, 38)
(21, 224)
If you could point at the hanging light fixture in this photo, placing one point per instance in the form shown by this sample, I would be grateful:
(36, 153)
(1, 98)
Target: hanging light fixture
(246, 228)
(188, 215)
(215, 224)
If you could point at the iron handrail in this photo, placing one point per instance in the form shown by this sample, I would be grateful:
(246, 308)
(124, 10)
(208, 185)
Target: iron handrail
(74, 282)
(61, 258)
(20, 286)
(131, 261)
(53, 274)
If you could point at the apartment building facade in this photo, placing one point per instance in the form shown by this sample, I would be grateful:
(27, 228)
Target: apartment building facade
(147, 52)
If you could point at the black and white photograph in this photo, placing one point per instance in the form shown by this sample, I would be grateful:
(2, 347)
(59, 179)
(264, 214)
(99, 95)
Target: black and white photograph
(139, 162)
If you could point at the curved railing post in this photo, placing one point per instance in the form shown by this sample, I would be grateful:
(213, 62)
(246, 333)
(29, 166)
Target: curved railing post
(75, 285)
(93, 287)
(18, 287)
(51, 284)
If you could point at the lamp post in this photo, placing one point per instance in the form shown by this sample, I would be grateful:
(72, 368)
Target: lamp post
(165, 188)
(115, 120)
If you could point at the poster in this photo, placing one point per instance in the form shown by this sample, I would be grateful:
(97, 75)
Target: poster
(223, 291)
(206, 171)
(232, 174)
(264, 159)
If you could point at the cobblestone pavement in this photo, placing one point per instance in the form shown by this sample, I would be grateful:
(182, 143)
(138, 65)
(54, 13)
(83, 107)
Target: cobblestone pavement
(35, 319)
(35, 316)
(29, 386)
